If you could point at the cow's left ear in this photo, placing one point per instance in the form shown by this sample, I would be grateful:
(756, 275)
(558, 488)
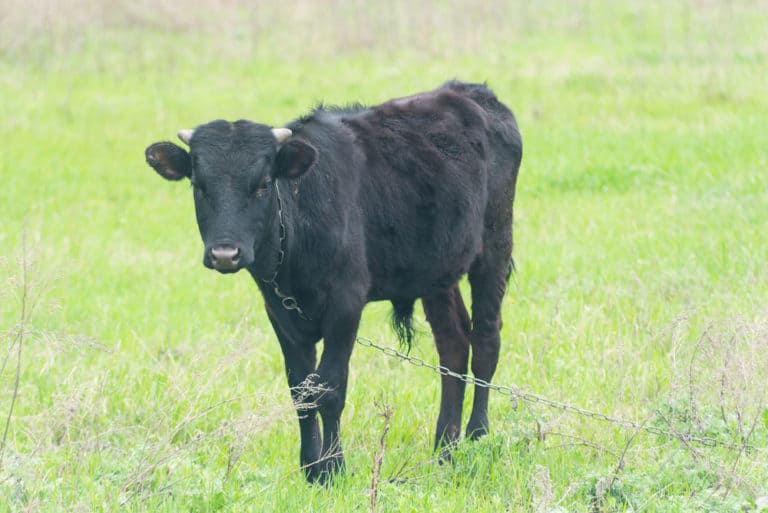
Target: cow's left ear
(294, 158)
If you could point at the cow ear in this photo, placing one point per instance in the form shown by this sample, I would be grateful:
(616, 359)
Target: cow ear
(294, 158)
(170, 161)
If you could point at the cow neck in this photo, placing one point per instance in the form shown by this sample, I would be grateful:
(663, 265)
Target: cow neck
(288, 302)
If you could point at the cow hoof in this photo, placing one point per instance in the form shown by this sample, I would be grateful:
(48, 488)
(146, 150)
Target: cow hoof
(477, 430)
(473, 433)
(444, 448)
(323, 472)
(445, 456)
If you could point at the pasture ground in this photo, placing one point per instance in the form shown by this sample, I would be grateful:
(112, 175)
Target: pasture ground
(140, 381)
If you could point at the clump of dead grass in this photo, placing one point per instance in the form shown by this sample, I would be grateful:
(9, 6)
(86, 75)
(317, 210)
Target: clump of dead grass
(720, 378)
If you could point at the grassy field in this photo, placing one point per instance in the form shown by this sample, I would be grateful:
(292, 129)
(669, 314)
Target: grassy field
(133, 379)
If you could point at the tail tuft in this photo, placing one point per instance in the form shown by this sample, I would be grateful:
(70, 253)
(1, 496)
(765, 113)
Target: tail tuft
(402, 322)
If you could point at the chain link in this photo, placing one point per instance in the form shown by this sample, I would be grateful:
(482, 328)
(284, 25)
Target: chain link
(288, 302)
(515, 393)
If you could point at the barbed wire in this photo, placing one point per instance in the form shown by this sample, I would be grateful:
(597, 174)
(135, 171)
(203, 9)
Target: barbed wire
(516, 393)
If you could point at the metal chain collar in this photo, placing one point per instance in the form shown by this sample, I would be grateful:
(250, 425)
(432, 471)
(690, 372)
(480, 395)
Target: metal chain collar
(288, 302)
(516, 393)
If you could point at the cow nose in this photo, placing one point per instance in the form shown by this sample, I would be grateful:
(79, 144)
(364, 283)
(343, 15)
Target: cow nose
(225, 257)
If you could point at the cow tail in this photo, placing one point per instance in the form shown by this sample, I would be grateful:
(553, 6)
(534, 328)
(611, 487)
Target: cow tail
(402, 322)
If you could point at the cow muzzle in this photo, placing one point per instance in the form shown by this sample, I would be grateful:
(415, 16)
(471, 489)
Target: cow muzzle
(225, 258)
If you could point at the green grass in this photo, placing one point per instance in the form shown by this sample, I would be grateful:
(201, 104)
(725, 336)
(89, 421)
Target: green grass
(148, 383)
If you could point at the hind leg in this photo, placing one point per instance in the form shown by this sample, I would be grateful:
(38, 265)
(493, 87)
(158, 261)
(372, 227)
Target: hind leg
(450, 323)
(488, 278)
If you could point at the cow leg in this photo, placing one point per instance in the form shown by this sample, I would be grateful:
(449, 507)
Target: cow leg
(339, 332)
(450, 323)
(300, 360)
(488, 277)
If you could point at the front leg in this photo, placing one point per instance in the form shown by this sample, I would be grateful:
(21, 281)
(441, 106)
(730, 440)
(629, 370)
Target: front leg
(300, 359)
(339, 331)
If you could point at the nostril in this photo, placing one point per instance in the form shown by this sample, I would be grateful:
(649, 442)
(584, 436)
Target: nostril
(225, 257)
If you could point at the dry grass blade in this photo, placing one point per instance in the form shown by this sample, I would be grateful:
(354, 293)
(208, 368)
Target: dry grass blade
(578, 441)
(18, 340)
(385, 411)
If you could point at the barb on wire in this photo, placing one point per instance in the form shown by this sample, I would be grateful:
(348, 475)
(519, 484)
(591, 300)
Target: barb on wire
(516, 393)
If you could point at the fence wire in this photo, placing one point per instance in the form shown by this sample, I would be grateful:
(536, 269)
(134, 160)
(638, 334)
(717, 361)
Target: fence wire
(516, 393)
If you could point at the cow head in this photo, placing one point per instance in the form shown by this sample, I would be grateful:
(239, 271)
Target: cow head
(233, 168)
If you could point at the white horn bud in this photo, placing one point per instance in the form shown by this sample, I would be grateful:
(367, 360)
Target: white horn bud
(185, 135)
(281, 134)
